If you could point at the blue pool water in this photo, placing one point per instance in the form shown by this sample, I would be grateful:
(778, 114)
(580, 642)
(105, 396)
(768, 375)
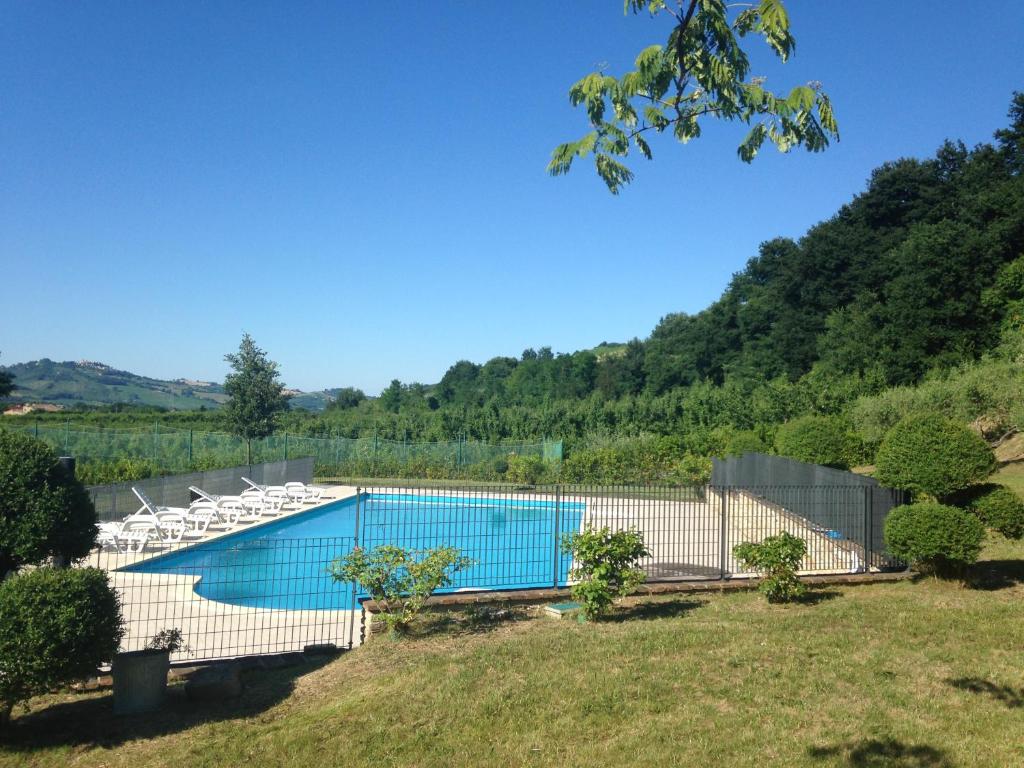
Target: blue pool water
(284, 564)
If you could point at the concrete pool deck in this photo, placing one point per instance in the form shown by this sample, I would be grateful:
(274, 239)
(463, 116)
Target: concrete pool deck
(155, 601)
(685, 537)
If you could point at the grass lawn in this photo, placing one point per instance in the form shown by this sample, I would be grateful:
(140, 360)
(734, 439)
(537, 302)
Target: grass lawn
(1011, 475)
(903, 674)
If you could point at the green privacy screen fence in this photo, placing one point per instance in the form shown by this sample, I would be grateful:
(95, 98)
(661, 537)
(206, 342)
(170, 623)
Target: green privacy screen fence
(183, 450)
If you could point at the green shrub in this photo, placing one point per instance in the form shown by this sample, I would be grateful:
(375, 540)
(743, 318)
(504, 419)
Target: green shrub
(777, 558)
(399, 580)
(999, 508)
(44, 511)
(605, 566)
(744, 441)
(56, 626)
(115, 471)
(644, 459)
(692, 471)
(933, 537)
(525, 470)
(827, 440)
(932, 455)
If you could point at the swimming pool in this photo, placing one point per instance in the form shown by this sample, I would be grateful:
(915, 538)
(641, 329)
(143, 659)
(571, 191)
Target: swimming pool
(283, 564)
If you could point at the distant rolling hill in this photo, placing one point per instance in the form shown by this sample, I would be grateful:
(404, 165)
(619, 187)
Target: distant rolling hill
(88, 383)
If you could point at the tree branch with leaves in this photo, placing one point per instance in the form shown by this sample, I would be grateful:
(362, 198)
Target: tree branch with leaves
(701, 71)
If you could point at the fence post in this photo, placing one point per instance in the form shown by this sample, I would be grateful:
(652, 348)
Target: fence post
(190, 448)
(355, 543)
(723, 532)
(36, 435)
(554, 544)
(868, 522)
(286, 446)
(67, 435)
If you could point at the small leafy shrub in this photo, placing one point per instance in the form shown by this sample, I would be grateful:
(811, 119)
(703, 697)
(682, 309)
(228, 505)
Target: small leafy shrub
(44, 511)
(170, 640)
(932, 455)
(399, 580)
(827, 440)
(1000, 509)
(525, 470)
(606, 566)
(56, 627)
(777, 558)
(933, 537)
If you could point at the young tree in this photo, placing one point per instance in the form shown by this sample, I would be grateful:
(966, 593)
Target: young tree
(257, 395)
(702, 71)
(6, 383)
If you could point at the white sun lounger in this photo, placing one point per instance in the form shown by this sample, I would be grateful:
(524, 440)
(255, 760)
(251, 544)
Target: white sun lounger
(247, 505)
(292, 491)
(111, 535)
(173, 523)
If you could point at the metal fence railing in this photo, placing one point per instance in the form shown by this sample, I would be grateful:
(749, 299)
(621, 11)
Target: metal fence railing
(268, 589)
(235, 598)
(513, 535)
(825, 496)
(116, 500)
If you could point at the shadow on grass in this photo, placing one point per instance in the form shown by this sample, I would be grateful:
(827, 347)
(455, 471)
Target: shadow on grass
(89, 720)
(651, 609)
(887, 753)
(815, 596)
(996, 574)
(471, 620)
(1013, 698)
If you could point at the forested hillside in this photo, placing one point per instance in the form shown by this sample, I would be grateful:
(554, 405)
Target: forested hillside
(919, 274)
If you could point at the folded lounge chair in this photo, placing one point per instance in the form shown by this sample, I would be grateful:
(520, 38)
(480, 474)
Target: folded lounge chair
(307, 494)
(292, 491)
(113, 536)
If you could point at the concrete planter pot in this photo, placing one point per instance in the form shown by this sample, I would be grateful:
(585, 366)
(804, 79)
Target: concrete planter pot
(140, 680)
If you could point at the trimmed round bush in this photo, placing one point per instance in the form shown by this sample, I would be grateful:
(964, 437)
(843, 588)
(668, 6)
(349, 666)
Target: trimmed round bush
(933, 537)
(44, 511)
(930, 454)
(1000, 509)
(828, 440)
(56, 626)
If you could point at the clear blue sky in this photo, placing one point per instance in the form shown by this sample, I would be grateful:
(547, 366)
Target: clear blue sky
(362, 186)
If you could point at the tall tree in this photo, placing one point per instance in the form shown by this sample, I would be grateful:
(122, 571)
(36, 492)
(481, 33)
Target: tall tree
(6, 383)
(255, 391)
(702, 71)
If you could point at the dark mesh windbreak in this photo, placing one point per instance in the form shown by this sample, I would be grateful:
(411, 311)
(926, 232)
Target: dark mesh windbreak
(114, 502)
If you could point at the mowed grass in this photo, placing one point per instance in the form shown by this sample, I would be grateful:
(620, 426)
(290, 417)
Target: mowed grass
(924, 673)
(1012, 476)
